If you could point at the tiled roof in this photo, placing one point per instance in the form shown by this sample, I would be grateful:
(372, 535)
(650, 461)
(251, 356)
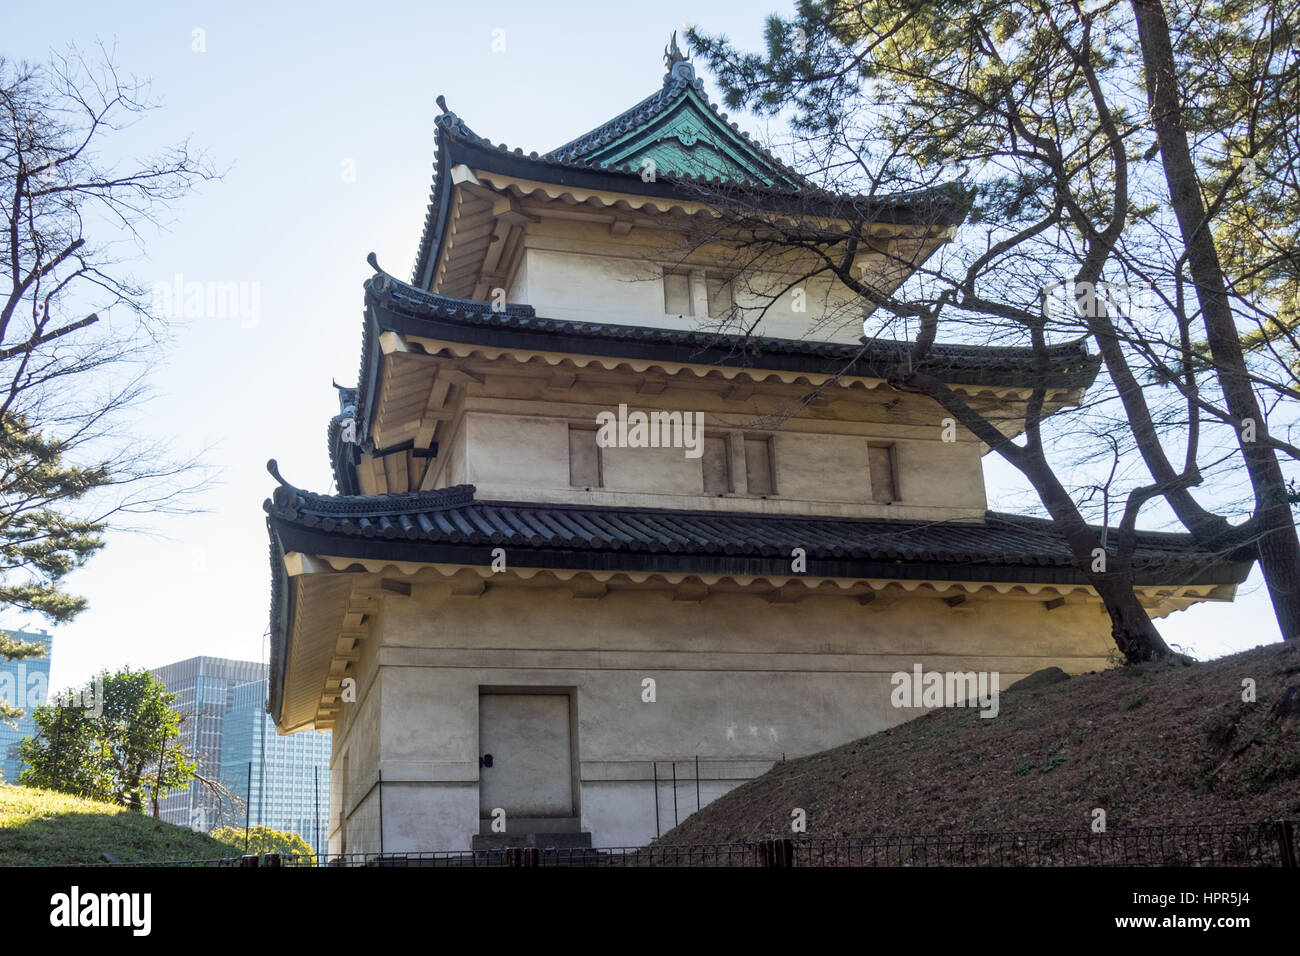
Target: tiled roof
(1001, 547)
(1072, 364)
(450, 526)
(945, 205)
(393, 305)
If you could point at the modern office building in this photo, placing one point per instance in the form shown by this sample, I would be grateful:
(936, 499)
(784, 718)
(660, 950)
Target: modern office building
(206, 688)
(223, 717)
(284, 780)
(25, 684)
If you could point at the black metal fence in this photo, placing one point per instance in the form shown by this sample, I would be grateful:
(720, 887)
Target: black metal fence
(1271, 843)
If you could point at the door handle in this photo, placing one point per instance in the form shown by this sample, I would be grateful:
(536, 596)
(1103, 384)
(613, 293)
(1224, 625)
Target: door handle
(485, 760)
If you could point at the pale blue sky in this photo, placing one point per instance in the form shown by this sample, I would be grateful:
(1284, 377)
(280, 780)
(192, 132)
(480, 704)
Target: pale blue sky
(289, 96)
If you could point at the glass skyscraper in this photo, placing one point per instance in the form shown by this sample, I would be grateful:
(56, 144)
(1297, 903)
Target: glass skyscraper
(290, 775)
(226, 728)
(26, 684)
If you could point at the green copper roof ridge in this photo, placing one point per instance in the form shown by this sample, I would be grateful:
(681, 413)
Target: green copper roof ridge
(731, 144)
(680, 86)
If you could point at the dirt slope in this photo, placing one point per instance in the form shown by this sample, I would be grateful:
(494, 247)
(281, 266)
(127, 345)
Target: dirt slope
(1152, 745)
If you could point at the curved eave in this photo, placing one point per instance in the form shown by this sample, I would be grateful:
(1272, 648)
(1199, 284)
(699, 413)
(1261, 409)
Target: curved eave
(282, 614)
(393, 306)
(435, 221)
(448, 529)
(940, 207)
(314, 541)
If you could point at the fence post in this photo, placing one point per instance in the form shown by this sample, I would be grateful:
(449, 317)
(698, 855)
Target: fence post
(522, 856)
(1285, 842)
(655, 768)
(272, 859)
(675, 821)
(248, 859)
(776, 853)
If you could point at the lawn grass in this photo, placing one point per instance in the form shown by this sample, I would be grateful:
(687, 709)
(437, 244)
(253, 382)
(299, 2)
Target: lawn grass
(43, 827)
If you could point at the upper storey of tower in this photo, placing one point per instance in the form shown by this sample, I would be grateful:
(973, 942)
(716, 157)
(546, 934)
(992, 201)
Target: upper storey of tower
(621, 225)
(613, 271)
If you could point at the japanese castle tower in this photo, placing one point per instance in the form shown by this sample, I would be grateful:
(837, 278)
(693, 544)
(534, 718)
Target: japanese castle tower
(513, 621)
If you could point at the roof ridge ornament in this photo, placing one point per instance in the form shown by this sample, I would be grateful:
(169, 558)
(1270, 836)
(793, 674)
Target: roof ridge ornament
(677, 63)
(286, 497)
(381, 281)
(274, 468)
(447, 119)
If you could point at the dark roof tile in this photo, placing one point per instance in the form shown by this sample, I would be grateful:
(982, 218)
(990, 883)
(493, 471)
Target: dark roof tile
(944, 205)
(452, 516)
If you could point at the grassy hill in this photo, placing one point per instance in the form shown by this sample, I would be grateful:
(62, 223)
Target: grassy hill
(1152, 745)
(49, 828)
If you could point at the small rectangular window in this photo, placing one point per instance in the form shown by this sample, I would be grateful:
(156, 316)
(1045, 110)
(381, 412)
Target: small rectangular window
(677, 293)
(880, 459)
(721, 301)
(716, 462)
(584, 458)
(758, 466)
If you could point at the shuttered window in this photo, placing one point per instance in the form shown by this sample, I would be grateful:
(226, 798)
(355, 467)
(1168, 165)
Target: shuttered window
(677, 294)
(720, 297)
(758, 466)
(880, 459)
(716, 462)
(584, 458)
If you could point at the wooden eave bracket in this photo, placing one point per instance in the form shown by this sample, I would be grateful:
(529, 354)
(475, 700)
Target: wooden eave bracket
(507, 209)
(297, 564)
(462, 377)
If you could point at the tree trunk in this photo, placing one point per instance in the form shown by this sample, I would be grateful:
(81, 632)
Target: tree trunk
(1277, 544)
(1131, 627)
(1134, 632)
(1279, 558)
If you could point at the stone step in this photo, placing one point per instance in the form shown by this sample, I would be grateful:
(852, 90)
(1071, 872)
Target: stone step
(560, 841)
